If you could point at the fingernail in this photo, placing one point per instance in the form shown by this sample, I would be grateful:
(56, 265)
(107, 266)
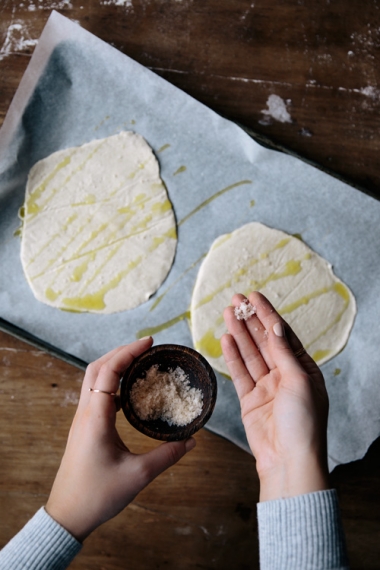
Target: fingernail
(190, 444)
(145, 338)
(278, 329)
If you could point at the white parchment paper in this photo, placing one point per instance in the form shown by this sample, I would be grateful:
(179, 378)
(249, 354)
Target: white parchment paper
(76, 89)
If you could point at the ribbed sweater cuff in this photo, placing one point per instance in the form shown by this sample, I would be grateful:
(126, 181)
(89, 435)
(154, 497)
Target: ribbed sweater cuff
(302, 532)
(42, 543)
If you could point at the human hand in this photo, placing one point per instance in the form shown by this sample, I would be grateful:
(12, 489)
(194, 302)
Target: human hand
(98, 475)
(284, 402)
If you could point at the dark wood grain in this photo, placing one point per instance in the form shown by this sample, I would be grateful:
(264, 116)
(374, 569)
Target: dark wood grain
(322, 59)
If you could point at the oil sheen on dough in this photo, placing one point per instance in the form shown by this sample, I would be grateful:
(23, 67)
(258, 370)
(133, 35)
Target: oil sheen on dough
(299, 283)
(99, 232)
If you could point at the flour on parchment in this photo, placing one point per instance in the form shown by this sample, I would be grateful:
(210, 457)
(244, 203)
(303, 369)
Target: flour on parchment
(99, 232)
(299, 283)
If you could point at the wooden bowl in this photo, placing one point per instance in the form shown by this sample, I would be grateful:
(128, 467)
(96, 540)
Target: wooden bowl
(170, 356)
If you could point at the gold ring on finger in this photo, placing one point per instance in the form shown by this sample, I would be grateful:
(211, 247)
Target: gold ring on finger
(102, 391)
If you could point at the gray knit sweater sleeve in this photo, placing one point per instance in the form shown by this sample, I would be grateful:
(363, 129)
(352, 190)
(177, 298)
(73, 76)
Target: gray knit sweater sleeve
(303, 532)
(41, 544)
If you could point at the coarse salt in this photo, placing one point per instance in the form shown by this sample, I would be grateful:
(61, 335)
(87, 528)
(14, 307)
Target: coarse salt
(167, 396)
(244, 311)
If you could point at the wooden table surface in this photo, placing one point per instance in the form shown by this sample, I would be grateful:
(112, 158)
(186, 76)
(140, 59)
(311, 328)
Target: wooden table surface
(321, 61)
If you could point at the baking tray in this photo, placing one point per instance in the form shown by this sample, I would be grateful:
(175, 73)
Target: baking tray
(76, 89)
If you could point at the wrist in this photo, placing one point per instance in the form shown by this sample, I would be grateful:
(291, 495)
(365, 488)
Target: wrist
(69, 521)
(297, 475)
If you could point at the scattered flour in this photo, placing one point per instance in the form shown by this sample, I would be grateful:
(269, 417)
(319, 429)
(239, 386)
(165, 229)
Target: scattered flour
(48, 5)
(17, 40)
(370, 92)
(184, 531)
(70, 399)
(33, 5)
(305, 132)
(325, 57)
(166, 395)
(277, 109)
(125, 3)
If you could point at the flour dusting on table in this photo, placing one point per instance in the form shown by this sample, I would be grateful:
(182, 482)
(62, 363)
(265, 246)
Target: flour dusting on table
(277, 109)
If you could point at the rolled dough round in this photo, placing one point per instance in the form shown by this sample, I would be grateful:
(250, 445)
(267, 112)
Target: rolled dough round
(99, 232)
(299, 283)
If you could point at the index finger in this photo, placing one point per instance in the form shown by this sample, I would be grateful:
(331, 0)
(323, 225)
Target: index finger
(246, 340)
(94, 368)
(110, 372)
(91, 374)
(104, 374)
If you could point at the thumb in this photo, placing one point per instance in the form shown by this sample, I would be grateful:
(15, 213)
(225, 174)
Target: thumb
(281, 351)
(164, 456)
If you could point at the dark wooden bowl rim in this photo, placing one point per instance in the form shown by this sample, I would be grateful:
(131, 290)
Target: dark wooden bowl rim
(201, 375)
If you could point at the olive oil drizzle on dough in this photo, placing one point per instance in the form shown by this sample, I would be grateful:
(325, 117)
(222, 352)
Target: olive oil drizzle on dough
(342, 291)
(209, 343)
(124, 214)
(137, 228)
(32, 208)
(104, 237)
(70, 220)
(95, 301)
(242, 271)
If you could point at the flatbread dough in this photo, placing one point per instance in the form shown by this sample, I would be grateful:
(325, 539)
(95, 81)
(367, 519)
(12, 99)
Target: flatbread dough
(99, 232)
(298, 282)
